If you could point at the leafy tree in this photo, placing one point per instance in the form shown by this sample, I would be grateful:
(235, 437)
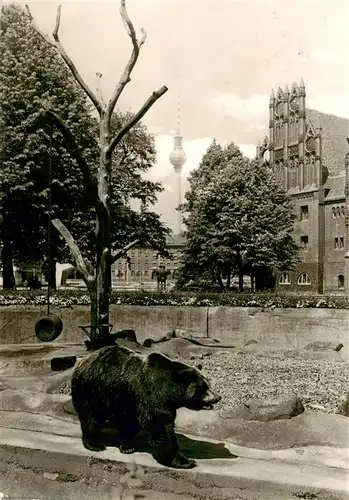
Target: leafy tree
(135, 155)
(239, 221)
(41, 80)
(33, 77)
(98, 189)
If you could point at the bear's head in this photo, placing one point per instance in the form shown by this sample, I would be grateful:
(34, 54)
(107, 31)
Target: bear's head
(197, 392)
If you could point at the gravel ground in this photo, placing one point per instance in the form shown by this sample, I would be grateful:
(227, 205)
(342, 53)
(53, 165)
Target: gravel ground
(238, 377)
(320, 384)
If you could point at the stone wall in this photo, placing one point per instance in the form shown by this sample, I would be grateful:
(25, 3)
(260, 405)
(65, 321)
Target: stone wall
(281, 328)
(232, 325)
(17, 324)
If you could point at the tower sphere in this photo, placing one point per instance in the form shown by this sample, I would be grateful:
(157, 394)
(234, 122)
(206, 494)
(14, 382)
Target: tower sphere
(178, 156)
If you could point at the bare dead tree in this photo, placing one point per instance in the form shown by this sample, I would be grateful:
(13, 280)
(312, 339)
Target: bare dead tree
(97, 276)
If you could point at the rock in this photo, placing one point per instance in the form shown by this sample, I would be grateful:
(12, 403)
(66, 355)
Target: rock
(317, 407)
(344, 406)
(3, 387)
(250, 341)
(265, 410)
(50, 475)
(126, 335)
(180, 334)
(319, 345)
(69, 408)
(148, 343)
(61, 363)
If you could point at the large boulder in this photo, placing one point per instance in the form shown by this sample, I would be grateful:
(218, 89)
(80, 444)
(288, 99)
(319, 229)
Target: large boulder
(265, 410)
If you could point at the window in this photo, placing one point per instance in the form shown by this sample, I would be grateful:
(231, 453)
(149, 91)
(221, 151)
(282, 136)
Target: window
(334, 213)
(341, 242)
(304, 212)
(336, 243)
(343, 211)
(304, 279)
(304, 242)
(338, 211)
(340, 281)
(284, 279)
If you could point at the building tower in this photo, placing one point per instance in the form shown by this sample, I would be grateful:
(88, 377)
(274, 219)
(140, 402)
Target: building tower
(178, 159)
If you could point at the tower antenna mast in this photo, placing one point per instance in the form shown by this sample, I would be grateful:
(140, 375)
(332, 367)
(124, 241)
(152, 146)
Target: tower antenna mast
(178, 157)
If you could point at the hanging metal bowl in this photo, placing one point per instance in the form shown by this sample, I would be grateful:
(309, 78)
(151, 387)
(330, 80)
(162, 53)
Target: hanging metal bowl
(48, 328)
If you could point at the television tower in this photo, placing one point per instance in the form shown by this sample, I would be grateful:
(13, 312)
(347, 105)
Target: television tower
(178, 159)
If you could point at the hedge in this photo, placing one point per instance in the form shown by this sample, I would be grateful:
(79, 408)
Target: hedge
(69, 298)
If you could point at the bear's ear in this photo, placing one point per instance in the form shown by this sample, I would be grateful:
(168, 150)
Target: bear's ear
(156, 359)
(186, 375)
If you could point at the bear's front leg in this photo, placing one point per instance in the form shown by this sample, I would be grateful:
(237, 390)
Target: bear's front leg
(91, 432)
(165, 448)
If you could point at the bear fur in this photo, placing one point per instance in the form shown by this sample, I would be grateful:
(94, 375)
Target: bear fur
(133, 393)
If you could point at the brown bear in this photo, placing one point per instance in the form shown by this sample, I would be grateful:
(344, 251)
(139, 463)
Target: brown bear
(136, 393)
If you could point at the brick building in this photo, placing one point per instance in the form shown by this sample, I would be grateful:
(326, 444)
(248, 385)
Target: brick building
(144, 261)
(307, 151)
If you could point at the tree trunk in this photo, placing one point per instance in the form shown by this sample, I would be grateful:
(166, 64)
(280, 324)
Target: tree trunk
(241, 280)
(229, 279)
(220, 281)
(102, 289)
(99, 316)
(8, 277)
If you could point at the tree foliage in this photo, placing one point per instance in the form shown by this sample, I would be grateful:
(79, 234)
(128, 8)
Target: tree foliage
(239, 220)
(34, 78)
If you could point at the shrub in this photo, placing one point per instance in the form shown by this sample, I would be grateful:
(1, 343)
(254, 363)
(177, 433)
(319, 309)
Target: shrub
(70, 298)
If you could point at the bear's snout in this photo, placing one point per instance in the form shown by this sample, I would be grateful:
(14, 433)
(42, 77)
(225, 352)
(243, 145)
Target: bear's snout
(211, 399)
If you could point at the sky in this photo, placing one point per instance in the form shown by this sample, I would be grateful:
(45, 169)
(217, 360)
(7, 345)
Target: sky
(222, 57)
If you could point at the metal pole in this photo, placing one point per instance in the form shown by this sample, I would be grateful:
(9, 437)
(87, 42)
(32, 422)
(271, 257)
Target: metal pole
(49, 225)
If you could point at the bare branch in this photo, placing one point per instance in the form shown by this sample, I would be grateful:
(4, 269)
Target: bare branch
(136, 118)
(58, 22)
(121, 253)
(74, 249)
(99, 90)
(38, 30)
(125, 77)
(58, 45)
(90, 184)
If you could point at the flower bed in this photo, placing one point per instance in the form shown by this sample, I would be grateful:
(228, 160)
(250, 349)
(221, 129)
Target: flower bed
(69, 298)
